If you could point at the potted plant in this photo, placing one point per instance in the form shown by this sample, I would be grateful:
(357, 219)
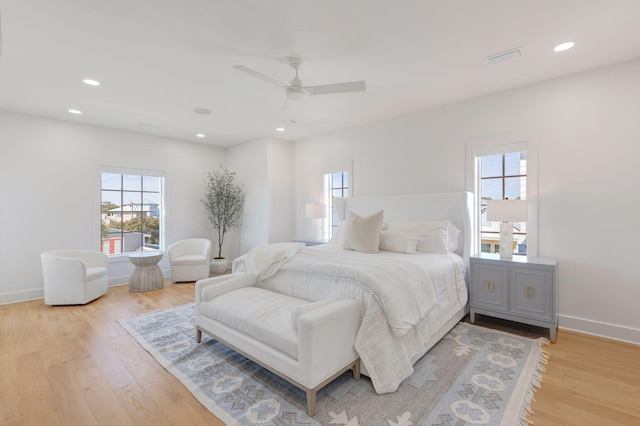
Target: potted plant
(224, 199)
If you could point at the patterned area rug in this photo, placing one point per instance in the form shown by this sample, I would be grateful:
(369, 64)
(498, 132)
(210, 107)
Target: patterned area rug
(473, 376)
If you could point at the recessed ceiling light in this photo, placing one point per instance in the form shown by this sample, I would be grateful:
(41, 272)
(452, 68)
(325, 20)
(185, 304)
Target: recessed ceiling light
(279, 129)
(200, 135)
(564, 46)
(75, 111)
(202, 111)
(91, 82)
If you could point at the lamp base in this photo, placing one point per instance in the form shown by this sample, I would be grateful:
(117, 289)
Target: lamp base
(506, 240)
(317, 229)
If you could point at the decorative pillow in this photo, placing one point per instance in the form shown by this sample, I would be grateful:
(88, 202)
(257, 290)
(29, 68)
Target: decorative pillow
(398, 242)
(434, 236)
(363, 233)
(308, 307)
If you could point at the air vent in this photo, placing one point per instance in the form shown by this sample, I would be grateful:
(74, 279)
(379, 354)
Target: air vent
(505, 56)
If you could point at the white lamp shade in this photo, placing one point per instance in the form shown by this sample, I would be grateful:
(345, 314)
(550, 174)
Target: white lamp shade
(507, 210)
(314, 211)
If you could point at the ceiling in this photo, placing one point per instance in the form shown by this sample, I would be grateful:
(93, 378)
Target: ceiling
(159, 60)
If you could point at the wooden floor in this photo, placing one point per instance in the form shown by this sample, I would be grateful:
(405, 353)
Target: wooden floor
(75, 365)
(589, 381)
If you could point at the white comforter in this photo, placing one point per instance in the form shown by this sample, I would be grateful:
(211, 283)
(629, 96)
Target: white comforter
(403, 297)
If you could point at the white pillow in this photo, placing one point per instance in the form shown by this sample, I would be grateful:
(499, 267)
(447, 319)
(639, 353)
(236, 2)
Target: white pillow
(363, 233)
(452, 236)
(398, 242)
(308, 307)
(434, 235)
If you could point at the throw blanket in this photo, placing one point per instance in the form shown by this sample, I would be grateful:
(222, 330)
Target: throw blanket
(404, 291)
(263, 261)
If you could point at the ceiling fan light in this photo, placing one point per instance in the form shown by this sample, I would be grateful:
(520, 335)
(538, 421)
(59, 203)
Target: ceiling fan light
(296, 93)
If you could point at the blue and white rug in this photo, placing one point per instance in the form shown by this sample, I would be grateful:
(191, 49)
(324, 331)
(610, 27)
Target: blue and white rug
(473, 376)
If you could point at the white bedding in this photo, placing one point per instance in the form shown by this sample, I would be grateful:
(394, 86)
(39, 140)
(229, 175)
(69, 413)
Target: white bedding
(404, 299)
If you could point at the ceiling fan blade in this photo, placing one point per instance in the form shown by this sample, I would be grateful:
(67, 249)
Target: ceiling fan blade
(259, 75)
(353, 86)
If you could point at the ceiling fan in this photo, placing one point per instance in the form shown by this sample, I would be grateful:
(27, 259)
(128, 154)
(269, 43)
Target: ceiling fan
(296, 91)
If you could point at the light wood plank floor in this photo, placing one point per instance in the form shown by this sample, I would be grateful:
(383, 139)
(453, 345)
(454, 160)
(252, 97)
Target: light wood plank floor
(75, 365)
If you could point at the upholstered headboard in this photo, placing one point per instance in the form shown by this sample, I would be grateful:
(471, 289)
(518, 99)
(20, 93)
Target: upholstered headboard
(454, 206)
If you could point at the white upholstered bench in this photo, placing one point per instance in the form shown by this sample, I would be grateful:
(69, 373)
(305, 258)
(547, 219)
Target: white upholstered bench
(308, 344)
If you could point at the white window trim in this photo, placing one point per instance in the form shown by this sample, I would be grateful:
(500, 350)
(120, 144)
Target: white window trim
(131, 171)
(504, 145)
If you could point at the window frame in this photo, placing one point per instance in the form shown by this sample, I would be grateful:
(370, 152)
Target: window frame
(504, 145)
(331, 221)
(502, 176)
(142, 173)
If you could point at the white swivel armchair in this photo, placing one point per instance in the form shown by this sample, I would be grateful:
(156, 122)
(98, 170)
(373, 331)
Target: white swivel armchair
(189, 259)
(73, 277)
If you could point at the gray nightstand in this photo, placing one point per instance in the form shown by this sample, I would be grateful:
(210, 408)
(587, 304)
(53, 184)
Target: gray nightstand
(521, 289)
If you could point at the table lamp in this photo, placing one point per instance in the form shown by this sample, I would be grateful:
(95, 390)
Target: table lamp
(315, 212)
(506, 212)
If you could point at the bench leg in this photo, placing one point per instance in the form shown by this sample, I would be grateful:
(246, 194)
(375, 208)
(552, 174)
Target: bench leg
(356, 370)
(311, 402)
(198, 334)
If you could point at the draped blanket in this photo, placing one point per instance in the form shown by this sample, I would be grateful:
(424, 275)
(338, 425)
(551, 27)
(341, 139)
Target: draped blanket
(263, 261)
(399, 293)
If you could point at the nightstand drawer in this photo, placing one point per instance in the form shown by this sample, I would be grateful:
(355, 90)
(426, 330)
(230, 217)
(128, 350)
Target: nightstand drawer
(490, 287)
(532, 292)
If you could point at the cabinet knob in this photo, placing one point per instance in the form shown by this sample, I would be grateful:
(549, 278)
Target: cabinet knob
(530, 292)
(488, 286)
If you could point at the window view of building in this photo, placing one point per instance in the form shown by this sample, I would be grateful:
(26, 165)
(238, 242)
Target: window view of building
(502, 176)
(336, 185)
(131, 212)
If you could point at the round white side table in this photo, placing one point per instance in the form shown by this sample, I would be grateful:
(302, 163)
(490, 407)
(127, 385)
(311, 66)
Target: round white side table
(147, 276)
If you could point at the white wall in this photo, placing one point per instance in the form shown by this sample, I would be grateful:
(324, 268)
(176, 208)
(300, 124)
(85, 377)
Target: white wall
(587, 128)
(281, 191)
(50, 192)
(249, 161)
(265, 168)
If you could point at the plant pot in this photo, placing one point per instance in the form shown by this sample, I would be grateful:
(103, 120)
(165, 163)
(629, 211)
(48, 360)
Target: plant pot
(218, 265)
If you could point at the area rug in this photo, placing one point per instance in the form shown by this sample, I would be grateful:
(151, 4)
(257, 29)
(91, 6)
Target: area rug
(473, 376)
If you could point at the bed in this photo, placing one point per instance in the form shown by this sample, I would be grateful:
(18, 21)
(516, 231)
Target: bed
(408, 300)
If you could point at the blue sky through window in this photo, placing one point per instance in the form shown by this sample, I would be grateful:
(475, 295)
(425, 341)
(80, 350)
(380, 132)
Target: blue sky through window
(498, 183)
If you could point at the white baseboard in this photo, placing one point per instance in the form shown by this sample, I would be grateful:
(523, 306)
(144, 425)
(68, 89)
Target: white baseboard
(601, 329)
(116, 281)
(21, 296)
(38, 293)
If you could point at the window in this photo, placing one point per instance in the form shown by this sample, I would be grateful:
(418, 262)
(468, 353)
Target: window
(336, 185)
(131, 210)
(502, 176)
